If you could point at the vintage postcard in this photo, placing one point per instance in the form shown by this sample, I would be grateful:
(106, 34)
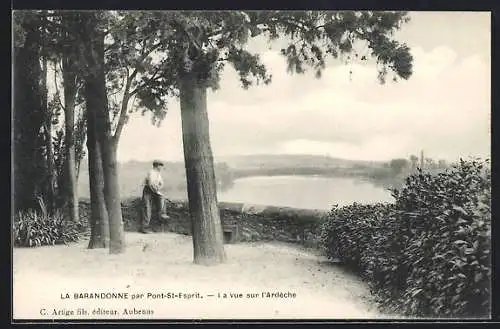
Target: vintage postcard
(251, 165)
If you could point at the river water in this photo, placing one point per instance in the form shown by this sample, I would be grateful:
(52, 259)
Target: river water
(310, 192)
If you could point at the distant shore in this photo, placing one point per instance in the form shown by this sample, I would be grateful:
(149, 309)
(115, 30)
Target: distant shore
(385, 180)
(230, 169)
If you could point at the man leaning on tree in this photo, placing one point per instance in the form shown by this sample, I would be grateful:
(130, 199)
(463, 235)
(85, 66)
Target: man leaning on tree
(152, 196)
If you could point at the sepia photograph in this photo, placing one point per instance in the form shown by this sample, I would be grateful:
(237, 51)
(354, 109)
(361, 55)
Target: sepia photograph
(251, 165)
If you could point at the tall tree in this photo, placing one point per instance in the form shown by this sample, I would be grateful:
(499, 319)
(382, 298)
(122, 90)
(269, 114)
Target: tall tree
(92, 35)
(80, 138)
(29, 113)
(61, 48)
(414, 162)
(47, 128)
(99, 220)
(128, 58)
(70, 137)
(204, 41)
(70, 83)
(198, 158)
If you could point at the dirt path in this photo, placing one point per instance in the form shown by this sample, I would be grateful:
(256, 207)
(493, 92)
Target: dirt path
(162, 263)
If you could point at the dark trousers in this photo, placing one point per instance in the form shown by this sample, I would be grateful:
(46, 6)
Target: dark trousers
(150, 200)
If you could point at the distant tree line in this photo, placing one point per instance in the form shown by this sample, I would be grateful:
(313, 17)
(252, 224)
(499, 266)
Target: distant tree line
(392, 173)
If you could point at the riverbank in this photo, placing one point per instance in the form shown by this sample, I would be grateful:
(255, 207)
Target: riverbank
(304, 285)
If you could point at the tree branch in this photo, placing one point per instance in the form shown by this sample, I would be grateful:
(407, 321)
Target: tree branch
(123, 112)
(189, 35)
(58, 98)
(151, 79)
(106, 49)
(216, 33)
(127, 94)
(143, 46)
(143, 57)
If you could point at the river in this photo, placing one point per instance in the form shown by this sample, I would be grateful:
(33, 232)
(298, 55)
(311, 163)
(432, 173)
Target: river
(310, 192)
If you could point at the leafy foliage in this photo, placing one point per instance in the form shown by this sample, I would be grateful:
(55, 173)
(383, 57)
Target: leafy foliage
(135, 41)
(53, 41)
(316, 35)
(37, 228)
(428, 254)
(203, 42)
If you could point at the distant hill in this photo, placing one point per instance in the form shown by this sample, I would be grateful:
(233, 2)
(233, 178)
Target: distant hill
(243, 162)
(132, 173)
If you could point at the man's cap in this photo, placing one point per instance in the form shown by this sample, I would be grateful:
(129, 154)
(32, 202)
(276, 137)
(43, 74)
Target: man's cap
(158, 163)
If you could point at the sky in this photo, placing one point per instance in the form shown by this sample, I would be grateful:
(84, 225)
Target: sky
(443, 109)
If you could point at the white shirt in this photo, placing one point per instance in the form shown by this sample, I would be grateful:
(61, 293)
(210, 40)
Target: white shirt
(154, 180)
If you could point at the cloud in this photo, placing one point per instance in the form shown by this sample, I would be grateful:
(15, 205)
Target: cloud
(443, 108)
(374, 148)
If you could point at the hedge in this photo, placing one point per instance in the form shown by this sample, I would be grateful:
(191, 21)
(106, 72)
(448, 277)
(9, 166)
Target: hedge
(428, 254)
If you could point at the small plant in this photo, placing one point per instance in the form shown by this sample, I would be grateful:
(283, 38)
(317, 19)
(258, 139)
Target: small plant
(38, 228)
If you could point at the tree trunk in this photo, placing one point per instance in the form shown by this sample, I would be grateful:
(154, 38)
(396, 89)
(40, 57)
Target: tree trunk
(28, 118)
(70, 89)
(78, 162)
(99, 223)
(201, 185)
(51, 177)
(97, 102)
(49, 146)
(80, 137)
(112, 197)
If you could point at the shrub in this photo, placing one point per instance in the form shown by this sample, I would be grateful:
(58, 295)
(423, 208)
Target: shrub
(428, 254)
(345, 233)
(366, 239)
(35, 229)
(448, 221)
